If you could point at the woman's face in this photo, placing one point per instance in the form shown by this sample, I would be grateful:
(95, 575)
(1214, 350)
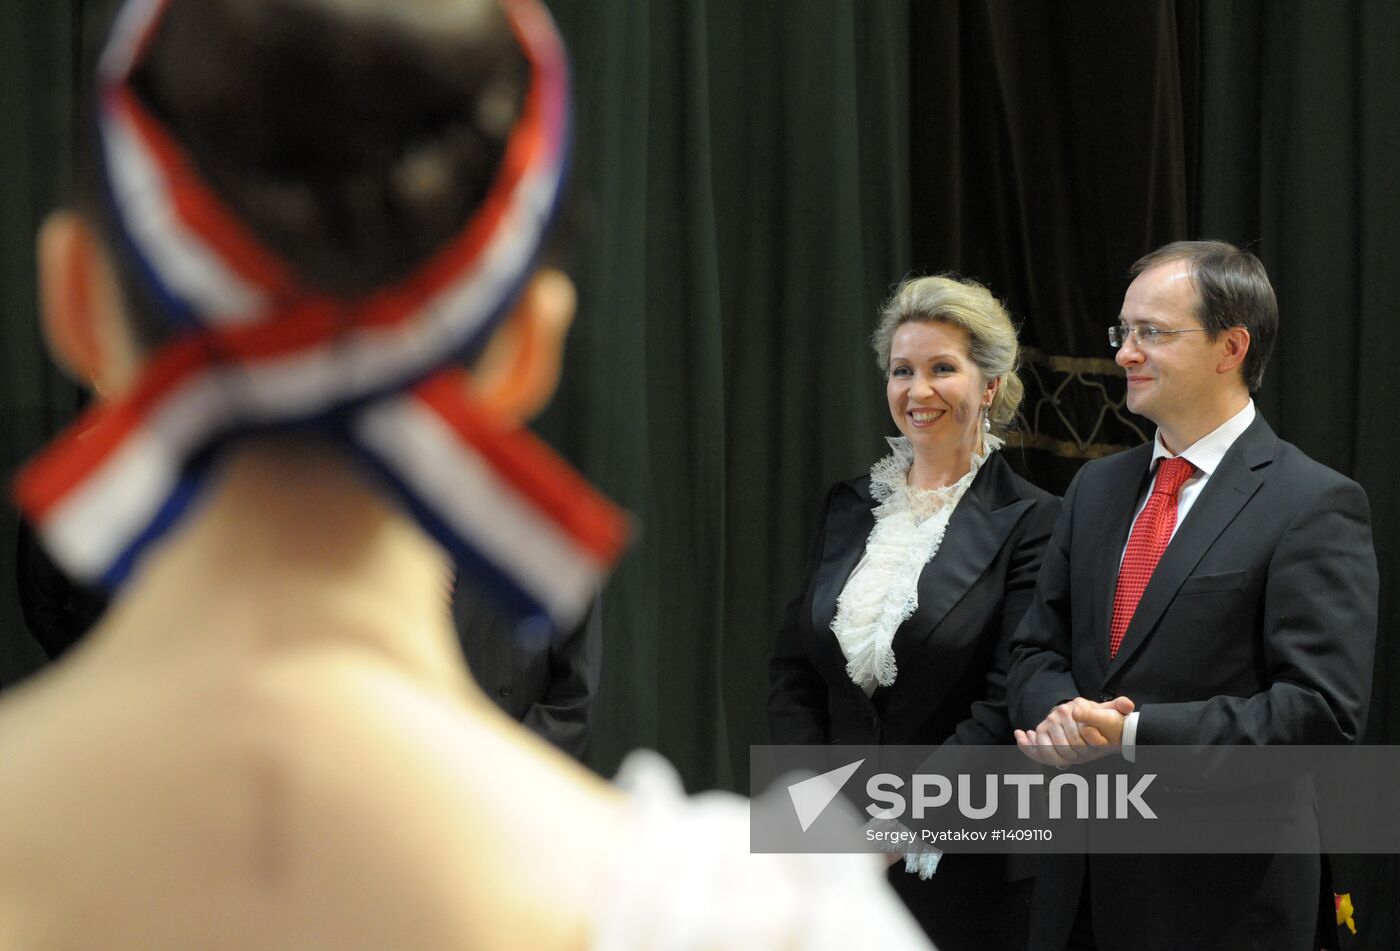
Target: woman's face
(936, 392)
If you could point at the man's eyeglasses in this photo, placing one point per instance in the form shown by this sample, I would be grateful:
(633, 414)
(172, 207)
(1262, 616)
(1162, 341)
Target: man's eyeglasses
(1144, 335)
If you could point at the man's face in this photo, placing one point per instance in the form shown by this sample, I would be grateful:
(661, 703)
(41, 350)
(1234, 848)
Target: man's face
(1171, 379)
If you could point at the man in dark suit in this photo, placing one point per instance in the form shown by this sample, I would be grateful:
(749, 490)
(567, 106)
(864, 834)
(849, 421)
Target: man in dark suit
(57, 610)
(1216, 586)
(547, 683)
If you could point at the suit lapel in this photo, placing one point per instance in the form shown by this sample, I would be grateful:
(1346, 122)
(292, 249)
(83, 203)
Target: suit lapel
(976, 531)
(1230, 487)
(1120, 498)
(846, 535)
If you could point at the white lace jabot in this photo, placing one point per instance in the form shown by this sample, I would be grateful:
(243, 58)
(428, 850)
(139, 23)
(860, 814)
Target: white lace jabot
(883, 590)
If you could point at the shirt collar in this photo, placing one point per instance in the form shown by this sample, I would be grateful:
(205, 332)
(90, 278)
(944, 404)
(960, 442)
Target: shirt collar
(1205, 453)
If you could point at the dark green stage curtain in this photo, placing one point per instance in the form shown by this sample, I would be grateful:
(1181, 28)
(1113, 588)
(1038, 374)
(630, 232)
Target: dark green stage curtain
(40, 53)
(1303, 158)
(1052, 145)
(1299, 153)
(743, 173)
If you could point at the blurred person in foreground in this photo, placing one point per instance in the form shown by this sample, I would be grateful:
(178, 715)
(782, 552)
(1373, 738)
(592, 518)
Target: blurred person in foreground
(304, 217)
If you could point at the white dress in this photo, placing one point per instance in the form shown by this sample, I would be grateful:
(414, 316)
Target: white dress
(687, 882)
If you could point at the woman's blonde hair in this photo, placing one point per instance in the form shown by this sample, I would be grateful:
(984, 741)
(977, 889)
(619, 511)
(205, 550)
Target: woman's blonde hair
(967, 304)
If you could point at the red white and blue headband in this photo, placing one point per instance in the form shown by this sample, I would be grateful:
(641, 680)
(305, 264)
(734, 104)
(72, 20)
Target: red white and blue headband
(256, 350)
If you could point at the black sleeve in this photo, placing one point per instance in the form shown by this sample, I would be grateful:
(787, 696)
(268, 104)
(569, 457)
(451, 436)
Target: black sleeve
(562, 714)
(988, 722)
(1040, 675)
(797, 694)
(57, 610)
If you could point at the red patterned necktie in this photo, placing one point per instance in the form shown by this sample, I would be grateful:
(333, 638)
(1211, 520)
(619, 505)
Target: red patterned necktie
(1151, 532)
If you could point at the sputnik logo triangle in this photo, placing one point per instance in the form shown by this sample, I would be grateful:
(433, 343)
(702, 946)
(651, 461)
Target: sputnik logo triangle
(810, 797)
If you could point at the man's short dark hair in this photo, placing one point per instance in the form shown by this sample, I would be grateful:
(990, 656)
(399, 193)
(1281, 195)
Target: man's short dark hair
(1233, 290)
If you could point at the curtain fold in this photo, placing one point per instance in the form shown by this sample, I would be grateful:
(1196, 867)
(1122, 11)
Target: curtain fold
(41, 54)
(1300, 146)
(747, 218)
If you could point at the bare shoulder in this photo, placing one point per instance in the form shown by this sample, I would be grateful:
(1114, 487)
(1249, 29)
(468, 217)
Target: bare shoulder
(324, 796)
(437, 806)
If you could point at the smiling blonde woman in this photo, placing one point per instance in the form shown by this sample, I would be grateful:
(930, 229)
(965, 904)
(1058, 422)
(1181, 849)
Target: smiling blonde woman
(917, 577)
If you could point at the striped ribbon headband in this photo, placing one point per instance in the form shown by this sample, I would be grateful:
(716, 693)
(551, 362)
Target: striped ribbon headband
(258, 351)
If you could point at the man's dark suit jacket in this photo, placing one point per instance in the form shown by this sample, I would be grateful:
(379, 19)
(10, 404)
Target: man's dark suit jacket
(1258, 627)
(57, 610)
(548, 684)
(952, 654)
